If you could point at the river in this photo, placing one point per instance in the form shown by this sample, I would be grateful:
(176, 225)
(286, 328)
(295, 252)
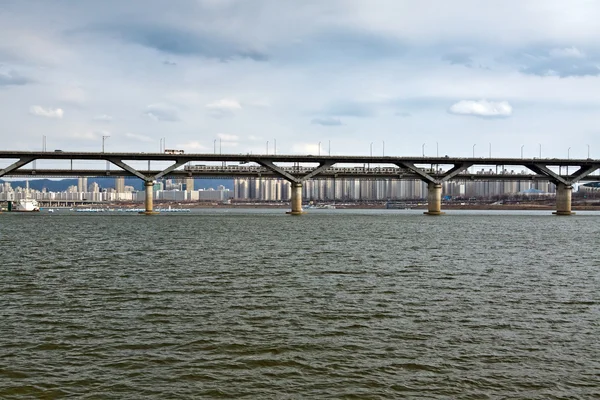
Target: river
(373, 304)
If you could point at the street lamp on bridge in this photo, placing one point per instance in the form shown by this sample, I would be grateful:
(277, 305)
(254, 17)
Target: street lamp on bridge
(104, 137)
(522, 150)
(423, 149)
(588, 151)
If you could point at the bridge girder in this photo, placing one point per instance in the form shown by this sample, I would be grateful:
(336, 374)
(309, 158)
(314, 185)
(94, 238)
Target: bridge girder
(541, 167)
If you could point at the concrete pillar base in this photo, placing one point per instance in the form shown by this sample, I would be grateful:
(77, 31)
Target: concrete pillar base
(434, 213)
(148, 213)
(295, 212)
(434, 199)
(563, 199)
(296, 199)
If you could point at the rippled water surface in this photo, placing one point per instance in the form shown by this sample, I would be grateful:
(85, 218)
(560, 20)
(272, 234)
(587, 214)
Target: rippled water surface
(380, 305)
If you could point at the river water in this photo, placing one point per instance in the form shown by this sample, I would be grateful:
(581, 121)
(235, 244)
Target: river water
(334, 304)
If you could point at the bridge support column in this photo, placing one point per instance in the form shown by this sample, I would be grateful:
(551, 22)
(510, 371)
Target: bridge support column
(296, 199)
(563, 199)
(149, 206)
(434, 199)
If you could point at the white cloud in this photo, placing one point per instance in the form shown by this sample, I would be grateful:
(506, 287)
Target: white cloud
(224, 104)
(73, 94)
(228, 137)
(185, 98)
(328, 121)
(162, 112)
(306, 148)
(223, 108)
(46, 112)
(138, 137)
(482, 108)
(85, 135)
(193, 146)
(103, 118)
(567, 52)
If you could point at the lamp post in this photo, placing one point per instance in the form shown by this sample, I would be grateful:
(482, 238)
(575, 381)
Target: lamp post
(437, 149)
(383, 148)
(568, 158)
(371, 151)
(104, 137)
(329, 149)
(490, 150)
(540, 150)
(588, 151)
(474, 150)
(215, 146)
(423, 149)
(275, 146)
(267, 147)
(522, 150)
(319, 148)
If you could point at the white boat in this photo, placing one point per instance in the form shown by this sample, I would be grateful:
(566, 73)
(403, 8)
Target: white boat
(24, 205)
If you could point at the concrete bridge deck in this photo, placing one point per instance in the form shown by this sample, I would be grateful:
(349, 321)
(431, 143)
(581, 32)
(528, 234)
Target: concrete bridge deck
(293, 168)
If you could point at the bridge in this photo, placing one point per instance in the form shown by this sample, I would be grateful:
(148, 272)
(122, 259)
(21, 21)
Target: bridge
(299, 168)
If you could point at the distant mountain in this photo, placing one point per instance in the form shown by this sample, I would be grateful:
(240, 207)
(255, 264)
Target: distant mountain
(106, 183)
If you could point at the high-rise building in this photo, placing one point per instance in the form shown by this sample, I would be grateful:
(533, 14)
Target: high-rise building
(82, 184)
(189, 184)
(120, 184)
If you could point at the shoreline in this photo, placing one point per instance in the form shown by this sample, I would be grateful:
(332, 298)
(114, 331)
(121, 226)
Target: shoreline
(341, 206)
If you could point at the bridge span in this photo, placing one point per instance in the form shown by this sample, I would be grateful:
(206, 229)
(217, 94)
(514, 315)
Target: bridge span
(299, 168)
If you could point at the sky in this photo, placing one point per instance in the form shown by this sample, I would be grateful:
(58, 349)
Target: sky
(346, 77)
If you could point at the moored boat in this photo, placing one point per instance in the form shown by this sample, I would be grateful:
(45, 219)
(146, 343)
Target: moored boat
(23, 205)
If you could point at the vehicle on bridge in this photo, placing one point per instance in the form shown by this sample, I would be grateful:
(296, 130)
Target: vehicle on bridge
(172, 151)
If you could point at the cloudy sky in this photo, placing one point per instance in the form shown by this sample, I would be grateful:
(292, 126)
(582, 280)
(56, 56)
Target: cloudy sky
(446, 74)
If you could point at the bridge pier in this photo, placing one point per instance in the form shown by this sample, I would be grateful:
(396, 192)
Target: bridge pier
(149, 206)
(563, 199)
(434, 199)
(296, 199)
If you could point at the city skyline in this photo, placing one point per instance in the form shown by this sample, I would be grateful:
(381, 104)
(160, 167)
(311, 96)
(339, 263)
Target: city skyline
(277, 189)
